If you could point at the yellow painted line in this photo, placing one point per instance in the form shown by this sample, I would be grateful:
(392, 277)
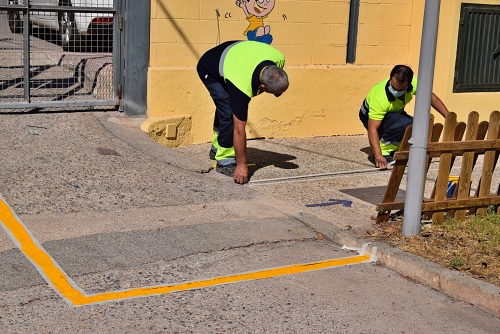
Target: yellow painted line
(59, 280)
(47, 267)
(262, 274)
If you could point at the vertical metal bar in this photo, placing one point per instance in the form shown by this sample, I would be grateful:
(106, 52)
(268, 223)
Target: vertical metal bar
(496, 64)
(117, 49)
(136, 54)
(352, 33)
(26, 52)
(418, 149)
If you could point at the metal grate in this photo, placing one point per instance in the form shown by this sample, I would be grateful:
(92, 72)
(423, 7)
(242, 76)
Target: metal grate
(477, 67)
(57, 53)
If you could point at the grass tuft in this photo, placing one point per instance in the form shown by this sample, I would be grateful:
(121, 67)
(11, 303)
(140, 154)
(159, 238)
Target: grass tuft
(471, 245)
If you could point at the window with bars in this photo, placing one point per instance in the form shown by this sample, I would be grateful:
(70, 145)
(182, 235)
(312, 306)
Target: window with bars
(477, 67)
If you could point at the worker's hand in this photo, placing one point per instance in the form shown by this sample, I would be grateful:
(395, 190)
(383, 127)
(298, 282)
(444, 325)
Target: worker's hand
(241, 174)
(239, 3)
(380, 162)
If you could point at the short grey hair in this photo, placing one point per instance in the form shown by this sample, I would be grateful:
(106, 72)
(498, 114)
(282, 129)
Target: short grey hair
(275, 79)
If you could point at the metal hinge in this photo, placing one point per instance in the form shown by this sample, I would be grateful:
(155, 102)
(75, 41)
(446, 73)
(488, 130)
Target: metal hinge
(120, 21)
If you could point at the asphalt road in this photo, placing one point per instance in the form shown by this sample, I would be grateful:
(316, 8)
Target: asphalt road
(117, 211)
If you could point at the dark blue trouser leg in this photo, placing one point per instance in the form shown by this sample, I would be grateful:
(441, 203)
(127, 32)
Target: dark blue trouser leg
(223, 124)
(394, 125)
(392, 129)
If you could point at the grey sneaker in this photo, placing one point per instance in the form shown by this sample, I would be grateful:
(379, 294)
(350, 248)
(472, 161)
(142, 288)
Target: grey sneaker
(227, 170)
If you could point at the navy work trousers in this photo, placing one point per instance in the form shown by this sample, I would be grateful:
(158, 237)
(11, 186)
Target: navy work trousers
(223, 119)
(393, 126)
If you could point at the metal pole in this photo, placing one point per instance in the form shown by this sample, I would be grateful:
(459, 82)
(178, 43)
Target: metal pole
(352, 32)
(27, 52)
(418, 148)
(136, 27)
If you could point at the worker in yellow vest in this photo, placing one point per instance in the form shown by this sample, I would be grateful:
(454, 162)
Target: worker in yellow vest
(233, 73)
(383, 115)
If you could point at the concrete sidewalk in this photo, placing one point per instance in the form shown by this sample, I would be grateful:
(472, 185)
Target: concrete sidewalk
(98, 171)
(304, 173)
(311, 172)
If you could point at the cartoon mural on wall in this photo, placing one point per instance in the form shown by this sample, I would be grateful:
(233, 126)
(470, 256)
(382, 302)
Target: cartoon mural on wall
(256, 11)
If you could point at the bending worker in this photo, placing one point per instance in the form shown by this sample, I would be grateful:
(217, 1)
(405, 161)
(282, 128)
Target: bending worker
(383, 115)
(233, 73)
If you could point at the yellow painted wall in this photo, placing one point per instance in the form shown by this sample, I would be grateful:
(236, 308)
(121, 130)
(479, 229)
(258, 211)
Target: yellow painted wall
(325, 93)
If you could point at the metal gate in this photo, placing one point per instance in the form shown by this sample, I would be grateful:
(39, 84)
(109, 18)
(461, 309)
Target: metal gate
(60, 53)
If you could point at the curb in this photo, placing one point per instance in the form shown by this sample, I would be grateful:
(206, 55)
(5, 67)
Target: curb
(127, 130)
(453, 283)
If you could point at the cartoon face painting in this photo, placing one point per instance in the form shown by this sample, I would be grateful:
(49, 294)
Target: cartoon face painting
(259, 8)
(256, 11)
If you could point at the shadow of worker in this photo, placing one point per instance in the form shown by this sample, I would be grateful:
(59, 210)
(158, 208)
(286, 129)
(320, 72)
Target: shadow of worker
(370, 157)
(258, 158)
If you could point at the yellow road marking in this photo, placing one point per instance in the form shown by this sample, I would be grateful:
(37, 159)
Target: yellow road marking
(60, 282)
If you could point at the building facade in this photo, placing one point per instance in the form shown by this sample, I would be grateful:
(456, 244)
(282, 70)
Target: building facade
(334, 53)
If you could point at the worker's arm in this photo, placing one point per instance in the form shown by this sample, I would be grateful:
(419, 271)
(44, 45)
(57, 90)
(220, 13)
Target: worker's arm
(374, 140)
(437, 104)
(240, 149)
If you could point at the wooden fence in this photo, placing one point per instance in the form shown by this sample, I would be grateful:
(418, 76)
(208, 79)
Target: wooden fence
(481, 138)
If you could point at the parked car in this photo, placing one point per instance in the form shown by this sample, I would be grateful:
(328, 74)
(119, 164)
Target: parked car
(70, 26)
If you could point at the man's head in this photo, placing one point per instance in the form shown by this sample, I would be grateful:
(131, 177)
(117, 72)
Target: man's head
(274, 80)
(401, 77)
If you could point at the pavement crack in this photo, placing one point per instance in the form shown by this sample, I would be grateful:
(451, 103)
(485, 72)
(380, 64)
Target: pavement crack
(204, 171)
(250, 245)
(36, 127)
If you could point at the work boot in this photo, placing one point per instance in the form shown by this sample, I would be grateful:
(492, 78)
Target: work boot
(212, 153)
(227, 170)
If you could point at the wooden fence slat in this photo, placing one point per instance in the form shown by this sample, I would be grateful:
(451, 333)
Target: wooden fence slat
(463, 203)
(467, 166)
(489, 160)
(450, 125)
(429, 205)
(482, 129)
(437, 129)
(397, 173)
(466, 145)
(457, 148)
(434, 136)
(459, 132)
